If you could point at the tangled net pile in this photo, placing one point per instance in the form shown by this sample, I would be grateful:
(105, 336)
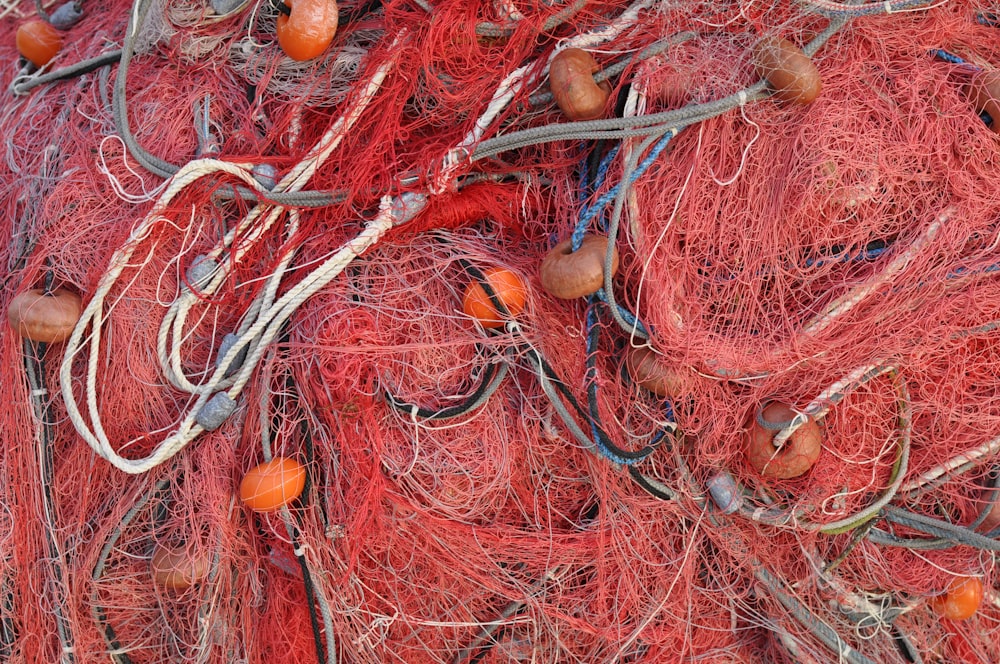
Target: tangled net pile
(272, 257)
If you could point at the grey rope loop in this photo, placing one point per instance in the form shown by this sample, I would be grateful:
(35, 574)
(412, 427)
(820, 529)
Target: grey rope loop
(634, 330)
(148, 161)
(769, 424)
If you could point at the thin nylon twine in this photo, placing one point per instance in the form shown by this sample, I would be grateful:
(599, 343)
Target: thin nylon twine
(272, 258)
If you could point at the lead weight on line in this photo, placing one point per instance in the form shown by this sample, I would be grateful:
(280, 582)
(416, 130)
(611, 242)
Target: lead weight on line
(200, 272)
(215, 411)
(67, 15)
(228, 342)
(725, 493)
(266, 175)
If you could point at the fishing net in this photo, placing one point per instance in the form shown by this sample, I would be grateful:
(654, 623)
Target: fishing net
(765, 431)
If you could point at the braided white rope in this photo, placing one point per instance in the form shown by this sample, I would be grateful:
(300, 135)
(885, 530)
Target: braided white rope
(171, 330)
(265, 317)
(264, 329)
(845, 303)
(831, 396)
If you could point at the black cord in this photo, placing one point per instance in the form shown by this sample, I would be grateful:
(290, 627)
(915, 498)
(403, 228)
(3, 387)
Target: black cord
(161, 492)
(647, 486)
(469, 403)
(8, 630)
(34, 367)
(310, 597)
(593, 338)
(363, 9)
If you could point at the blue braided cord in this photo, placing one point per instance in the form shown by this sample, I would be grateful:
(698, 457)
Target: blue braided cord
(860, 256)
(942, 54)
(602, 172)
(611, 456)
(661, 433)
(963, 271)
(588, 215)
(988, 19)
(626, 315)
(863, 255)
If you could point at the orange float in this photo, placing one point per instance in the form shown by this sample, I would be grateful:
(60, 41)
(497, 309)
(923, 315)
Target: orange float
(795, 457)
(961, 600)
(178, 567)
(273, 484)
(38, 42)
(308, 29)
(44, 317)
(509, 289)
(571, 79)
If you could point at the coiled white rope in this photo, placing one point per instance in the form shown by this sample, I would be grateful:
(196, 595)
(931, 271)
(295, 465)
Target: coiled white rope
(216, 397)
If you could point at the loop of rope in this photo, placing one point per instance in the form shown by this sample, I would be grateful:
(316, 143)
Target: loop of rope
(267, 315)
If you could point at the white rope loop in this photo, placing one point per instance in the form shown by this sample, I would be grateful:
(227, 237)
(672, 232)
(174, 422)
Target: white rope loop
(264, 317)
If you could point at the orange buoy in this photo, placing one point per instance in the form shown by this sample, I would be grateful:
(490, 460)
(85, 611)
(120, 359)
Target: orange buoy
(571, 79)
(273, 484)
(178, 567)
(961, 600)
(308, 29)
(646, 369)
(790, 73)
(569, 274)
(38, 42)
(795, 457)
(509, 289)
(44, 317)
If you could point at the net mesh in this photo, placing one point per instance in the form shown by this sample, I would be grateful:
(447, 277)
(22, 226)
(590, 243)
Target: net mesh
(511, 495)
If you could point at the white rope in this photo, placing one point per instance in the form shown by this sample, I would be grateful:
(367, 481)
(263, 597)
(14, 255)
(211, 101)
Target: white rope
(266, 315)
(171, 330)
(830, 397)
(264, 329)
(264, 318)
(845, 303)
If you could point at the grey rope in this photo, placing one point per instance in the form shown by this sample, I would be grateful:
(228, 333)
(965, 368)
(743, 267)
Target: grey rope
(148, 161)
(22, 86)
(635, 329)
(617, 68)
(486, 29)
(804, 617)
(633, 126)
(940, 529)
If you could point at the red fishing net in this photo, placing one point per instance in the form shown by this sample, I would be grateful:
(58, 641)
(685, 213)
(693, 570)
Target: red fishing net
(769, 436)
